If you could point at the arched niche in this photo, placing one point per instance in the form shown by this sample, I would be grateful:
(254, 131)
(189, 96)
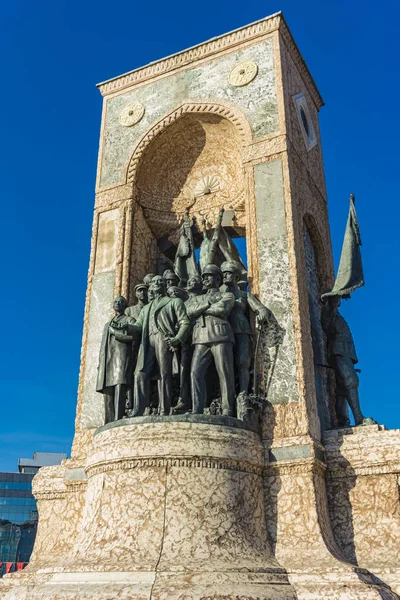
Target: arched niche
(316, 280)
(193, 163)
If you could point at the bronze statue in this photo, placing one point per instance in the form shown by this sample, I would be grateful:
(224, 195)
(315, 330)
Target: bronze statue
(194, 287)
(163, 325)
(141, 293)
(171, 279)
(213, 339)
(147, 279)
(177, 292)
(243, 348)
(115, 363)
(342, 357)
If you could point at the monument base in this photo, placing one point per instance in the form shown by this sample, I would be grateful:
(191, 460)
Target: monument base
(168, 509)
(363, 465)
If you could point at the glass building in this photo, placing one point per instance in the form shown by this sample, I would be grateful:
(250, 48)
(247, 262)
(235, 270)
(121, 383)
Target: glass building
(18, 511)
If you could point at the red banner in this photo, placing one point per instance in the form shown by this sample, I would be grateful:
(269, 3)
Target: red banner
(9, 567)
(20, 566)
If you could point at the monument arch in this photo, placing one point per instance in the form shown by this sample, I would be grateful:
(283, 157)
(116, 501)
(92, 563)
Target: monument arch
(190, 160)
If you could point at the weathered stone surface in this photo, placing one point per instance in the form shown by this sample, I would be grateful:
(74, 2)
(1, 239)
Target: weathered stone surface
(185, 418)
(60, 504)
(178, 505)
(363, 492)
(106, 241)
(92, 414)
(274, 278)
(210, 80)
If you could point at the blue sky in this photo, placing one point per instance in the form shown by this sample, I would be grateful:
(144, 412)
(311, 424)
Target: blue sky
(53, 54)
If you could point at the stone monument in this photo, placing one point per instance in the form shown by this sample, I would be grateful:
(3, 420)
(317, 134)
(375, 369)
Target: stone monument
(191, 494)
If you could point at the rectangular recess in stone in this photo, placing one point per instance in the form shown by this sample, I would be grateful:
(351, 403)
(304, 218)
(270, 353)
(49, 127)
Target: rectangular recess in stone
(207, 82)
(100, 313)
(275, 289)
(289, 453)
(107, 232)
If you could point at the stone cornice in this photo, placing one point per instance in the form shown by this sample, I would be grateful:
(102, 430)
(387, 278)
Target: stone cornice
(213, 47)
(350, 471)
(202, 462)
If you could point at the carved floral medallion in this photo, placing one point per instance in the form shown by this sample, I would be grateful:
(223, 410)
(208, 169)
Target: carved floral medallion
(243, 73)
(131, 114)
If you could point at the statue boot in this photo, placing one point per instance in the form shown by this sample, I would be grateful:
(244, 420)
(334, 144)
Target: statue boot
(354, 403)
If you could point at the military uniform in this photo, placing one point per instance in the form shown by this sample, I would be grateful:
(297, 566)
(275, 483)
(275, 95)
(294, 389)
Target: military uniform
(212, 339)
(342, 356)
(133, 311)
(243, 348)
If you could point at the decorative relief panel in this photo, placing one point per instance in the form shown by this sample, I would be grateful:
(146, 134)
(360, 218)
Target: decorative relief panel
(106, 241)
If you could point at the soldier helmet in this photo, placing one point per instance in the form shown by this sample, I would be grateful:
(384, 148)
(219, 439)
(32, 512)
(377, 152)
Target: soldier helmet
(212, 270)
(169, 274)
(231, 267)
(141, 286)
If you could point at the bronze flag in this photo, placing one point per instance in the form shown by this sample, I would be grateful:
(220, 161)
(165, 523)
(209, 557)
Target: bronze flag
(350, 274)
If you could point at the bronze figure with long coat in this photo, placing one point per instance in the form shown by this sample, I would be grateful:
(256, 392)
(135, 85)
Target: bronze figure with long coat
(163, 325)
(115, 368)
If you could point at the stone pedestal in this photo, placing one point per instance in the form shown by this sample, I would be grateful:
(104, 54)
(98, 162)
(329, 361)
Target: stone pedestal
(188, 507)
(363, 466)
(171, 510)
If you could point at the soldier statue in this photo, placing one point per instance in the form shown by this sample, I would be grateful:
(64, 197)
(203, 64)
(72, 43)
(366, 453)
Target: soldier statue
(163, 325)
(239, 321)
(342, 357)
(212, 339)
(141, 293)
(194, 287)
(115, 369)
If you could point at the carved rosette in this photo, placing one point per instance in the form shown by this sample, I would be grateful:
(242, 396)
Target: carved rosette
(243, 73)
(132, 114)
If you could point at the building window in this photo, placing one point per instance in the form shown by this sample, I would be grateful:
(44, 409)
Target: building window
(305, 122)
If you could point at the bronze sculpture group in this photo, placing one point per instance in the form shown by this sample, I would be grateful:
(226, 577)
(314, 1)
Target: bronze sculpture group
(188, 342)
(176, 339)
